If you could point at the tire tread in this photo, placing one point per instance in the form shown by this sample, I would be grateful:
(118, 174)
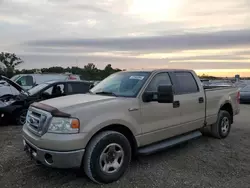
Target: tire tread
(90, 148)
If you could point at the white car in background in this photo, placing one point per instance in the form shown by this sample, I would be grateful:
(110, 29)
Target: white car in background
(27, 81)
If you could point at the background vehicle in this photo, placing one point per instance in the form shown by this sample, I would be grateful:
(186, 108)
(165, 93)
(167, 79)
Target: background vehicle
(27, 81)
(15, 106)
(205, 82)
(128, 113)
(6, 88)
(245, 94)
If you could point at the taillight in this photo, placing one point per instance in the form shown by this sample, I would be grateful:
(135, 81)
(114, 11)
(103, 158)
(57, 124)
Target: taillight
(238, 97)
(72, 77)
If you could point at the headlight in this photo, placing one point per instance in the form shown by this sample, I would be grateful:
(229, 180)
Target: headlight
(64, 125)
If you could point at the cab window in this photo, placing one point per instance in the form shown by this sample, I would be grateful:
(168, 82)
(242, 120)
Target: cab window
(186, 83)
(78, 87)
(159, 79)
(53, 91)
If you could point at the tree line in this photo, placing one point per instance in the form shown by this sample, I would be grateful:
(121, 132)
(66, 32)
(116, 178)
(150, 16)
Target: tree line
(88, 72)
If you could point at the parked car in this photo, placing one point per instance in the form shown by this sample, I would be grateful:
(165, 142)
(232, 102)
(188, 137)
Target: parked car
(27, 81)
(128, 113)
(245, 94)
(15, 106)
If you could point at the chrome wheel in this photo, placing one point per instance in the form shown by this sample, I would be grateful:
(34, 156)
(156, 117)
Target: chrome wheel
(111, 158)
(225, 124)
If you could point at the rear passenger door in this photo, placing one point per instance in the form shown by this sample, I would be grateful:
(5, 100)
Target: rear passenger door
(191, 100)
(77, 88)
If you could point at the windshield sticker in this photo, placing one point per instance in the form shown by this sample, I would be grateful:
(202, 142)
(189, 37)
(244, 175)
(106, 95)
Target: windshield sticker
(136, 77)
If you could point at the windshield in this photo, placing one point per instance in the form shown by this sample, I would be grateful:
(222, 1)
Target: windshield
(122, 84)
(37, 88)
(14, 78)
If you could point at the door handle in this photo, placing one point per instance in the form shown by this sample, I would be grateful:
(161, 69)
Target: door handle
(176, 104)
(201, 100)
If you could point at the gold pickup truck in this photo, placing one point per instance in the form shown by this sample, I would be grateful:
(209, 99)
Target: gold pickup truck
(128, 113)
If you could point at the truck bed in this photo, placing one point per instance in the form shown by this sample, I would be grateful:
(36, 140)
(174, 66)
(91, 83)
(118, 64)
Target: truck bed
(215, 96)
(216, 87)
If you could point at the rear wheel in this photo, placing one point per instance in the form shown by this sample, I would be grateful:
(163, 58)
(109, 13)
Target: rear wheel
(107, 157)
(222, 127)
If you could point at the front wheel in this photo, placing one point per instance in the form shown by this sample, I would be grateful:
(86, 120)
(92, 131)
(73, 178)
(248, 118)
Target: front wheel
(107, 157)
(21, 117)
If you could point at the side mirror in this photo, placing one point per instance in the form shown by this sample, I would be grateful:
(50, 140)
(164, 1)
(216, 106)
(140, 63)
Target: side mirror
(165, 94)
(147, 96)
(91, 86)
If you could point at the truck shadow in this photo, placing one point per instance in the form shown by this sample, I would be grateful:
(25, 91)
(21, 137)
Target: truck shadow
(137, 164)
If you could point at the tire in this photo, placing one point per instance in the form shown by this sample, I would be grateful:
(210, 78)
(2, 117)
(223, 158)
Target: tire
(99, 153)
(222, 127)
(21, 117)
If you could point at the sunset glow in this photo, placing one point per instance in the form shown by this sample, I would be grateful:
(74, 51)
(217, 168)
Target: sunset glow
(211, 37)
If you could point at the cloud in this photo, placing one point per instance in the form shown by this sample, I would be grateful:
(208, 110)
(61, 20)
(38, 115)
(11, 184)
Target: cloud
(127, 32)
(128, 62)
(220, 39)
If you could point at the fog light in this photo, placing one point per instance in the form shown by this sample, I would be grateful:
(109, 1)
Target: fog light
(48, 158)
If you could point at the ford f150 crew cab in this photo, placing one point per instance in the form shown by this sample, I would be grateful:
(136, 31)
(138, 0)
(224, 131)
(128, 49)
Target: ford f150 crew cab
(128, 113)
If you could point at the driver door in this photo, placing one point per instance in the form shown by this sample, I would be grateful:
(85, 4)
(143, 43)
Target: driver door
(158, 120)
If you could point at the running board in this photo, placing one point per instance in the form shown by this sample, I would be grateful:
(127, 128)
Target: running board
(168, 143)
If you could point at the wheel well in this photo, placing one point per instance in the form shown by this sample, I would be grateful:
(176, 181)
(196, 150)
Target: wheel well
(228, 107)
(125, 131)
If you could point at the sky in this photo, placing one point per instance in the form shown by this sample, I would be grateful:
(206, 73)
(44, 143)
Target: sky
(210, 36)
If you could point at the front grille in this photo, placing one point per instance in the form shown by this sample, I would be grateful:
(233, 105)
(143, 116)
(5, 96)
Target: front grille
(37, 120)
(33, 120)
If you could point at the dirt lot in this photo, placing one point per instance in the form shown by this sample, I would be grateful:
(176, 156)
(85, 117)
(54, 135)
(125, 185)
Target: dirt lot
(205, 162)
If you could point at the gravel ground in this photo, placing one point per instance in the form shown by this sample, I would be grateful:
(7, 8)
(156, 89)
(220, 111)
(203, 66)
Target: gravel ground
(205, 162)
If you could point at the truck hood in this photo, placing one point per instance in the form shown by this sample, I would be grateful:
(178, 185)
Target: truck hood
(73, 100)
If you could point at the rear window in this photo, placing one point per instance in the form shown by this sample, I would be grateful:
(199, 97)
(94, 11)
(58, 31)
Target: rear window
(78, 88)
(186, 83)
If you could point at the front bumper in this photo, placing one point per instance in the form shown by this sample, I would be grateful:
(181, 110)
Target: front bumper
(56, 159)
(7, 112)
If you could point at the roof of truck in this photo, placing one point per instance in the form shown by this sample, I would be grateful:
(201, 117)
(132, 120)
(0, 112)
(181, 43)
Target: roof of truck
(156, 70)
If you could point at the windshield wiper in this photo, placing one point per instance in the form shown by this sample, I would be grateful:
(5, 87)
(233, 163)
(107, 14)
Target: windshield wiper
(106, 93)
